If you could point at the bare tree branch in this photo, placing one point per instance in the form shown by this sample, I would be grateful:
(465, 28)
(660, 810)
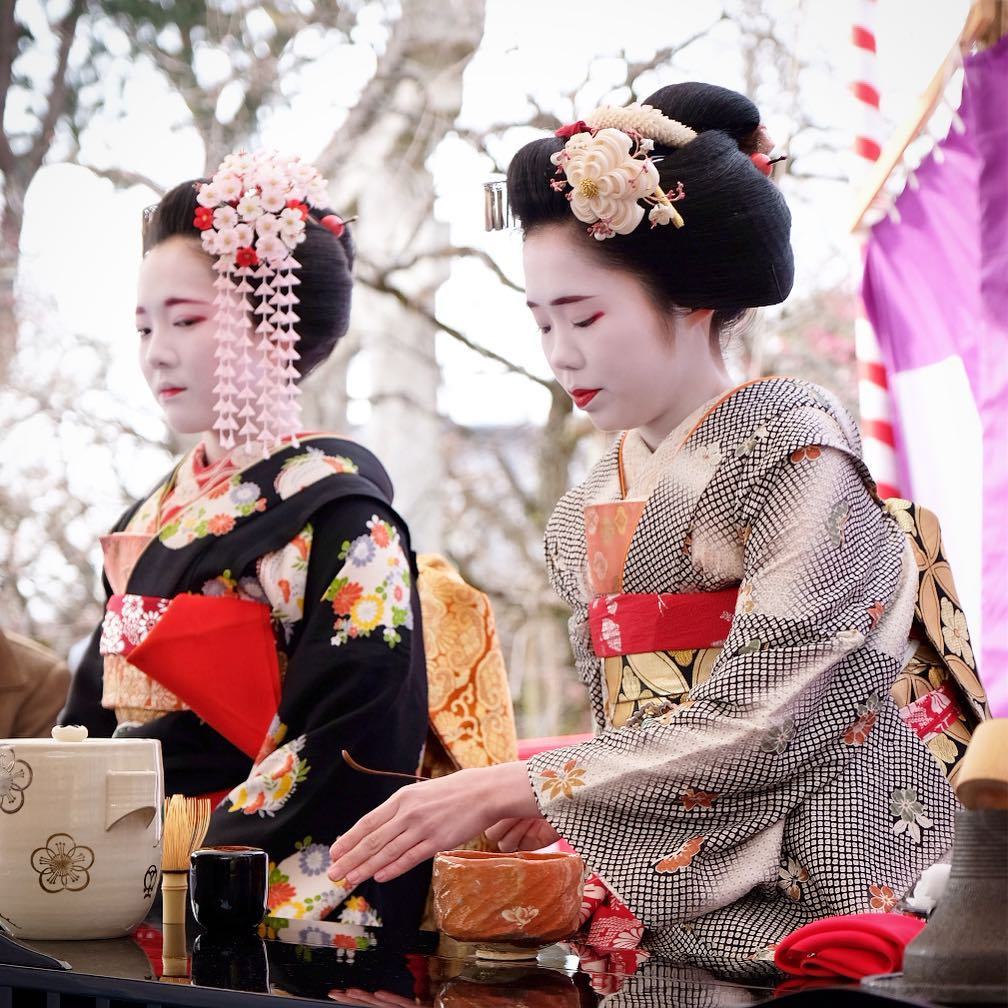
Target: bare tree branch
(528, 504)
(8, 49)
(459, 252)
(382, 285)
(376, 95)
(124, 177)
(662, 57)
(56, 100)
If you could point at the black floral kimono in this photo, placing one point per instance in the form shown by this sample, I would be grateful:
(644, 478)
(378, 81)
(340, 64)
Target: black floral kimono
(270, 622)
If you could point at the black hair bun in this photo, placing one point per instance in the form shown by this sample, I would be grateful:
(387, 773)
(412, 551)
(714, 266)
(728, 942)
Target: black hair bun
(705, 107)
(734, 251)
(325, 271)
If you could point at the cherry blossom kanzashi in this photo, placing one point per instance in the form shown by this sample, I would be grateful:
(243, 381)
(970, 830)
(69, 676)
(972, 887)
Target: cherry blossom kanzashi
(251, 216)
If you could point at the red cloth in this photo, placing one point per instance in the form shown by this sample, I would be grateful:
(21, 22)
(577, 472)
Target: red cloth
(855, 946)
(218, 655)
(606, 971)
(644, 623)
(529, 747)
(607, 944)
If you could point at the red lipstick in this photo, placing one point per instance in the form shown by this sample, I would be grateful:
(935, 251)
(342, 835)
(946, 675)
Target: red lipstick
(582, 397)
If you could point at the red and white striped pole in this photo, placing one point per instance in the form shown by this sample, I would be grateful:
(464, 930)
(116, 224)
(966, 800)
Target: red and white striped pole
(879, 440)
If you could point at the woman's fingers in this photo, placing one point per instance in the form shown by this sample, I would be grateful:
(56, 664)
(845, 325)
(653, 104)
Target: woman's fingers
(511, 840)
(364, 828)
(522, 834)
(500, 829)
(365, 999)
(443, 811)
(377, 999)
(386, 855)
(368, 849)
(407, 860)
(408, 818)
(541, 834)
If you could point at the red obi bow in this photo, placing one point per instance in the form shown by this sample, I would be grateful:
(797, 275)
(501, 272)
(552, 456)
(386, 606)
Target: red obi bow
(216, 654)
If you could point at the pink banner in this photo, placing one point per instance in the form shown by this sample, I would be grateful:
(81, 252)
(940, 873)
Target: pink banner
(936, 292)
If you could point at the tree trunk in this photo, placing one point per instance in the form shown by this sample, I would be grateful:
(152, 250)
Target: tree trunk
(10, 241)
(404, 113)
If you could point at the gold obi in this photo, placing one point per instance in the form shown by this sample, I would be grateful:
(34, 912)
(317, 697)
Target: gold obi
(655, 683)
(133, 695)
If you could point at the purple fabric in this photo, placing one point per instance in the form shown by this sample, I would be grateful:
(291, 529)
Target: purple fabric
(936, 286)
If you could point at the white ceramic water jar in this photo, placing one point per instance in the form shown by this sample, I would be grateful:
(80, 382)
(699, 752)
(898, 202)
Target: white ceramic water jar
(80, 834)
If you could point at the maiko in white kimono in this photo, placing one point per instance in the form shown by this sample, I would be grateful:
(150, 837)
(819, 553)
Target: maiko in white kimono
(752, 770)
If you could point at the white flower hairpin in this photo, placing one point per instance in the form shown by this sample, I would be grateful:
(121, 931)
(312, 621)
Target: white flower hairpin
(251, 216)
(606, 164)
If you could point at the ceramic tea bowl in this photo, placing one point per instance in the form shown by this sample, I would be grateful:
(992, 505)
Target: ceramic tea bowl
(508, 905)
(496, 986)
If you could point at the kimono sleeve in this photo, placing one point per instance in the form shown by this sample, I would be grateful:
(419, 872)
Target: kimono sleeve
(354, 680)
(684, 814)
(566, 576)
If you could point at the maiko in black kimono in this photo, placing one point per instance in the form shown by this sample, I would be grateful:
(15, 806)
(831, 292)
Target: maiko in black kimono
(264, 618)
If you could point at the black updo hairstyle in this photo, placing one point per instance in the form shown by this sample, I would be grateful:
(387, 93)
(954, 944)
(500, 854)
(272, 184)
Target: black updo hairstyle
(325, 271)
(732, 254)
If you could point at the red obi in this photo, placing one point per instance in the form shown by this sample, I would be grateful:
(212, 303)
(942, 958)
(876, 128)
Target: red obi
(642, 624)
(645, 624)
(216, 654)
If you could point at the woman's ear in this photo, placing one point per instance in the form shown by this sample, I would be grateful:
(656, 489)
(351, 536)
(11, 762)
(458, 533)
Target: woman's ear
(695, 321)
(700, 316)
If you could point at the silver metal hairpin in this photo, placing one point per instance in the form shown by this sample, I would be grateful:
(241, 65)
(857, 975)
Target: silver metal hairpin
(497, 209)
(147, 214)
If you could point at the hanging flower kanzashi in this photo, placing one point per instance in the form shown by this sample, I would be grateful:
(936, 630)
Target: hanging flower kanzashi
(251, 216)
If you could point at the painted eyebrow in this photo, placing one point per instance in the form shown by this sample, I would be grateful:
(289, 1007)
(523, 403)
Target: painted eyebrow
(171, 302)
(572, 299)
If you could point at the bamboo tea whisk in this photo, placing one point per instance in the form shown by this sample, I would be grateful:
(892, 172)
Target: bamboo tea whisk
(185, 827)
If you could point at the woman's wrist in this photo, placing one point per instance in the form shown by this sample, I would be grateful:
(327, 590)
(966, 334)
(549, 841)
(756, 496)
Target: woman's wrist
(506, 791)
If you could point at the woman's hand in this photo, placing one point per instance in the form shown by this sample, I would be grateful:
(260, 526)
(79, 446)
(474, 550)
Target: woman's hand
(430, 816)
(522, 834)
(377, 999)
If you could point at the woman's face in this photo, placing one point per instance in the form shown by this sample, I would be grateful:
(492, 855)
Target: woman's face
(177, 324)
(626, 364)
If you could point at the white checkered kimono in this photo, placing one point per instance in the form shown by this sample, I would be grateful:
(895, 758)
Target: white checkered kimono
(780, 785)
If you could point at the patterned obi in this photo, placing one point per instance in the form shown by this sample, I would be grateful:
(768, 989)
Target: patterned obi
(656, 648)
(214, 655)
(132, 694)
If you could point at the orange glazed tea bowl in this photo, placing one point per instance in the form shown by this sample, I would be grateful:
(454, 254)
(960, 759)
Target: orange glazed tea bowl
(508, 905)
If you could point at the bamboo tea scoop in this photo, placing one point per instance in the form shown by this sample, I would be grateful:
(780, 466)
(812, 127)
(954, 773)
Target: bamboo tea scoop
(354, 765)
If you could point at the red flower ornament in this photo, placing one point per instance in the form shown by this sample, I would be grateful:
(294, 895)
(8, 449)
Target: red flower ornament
(764, 163)
(333, 223)
(246, 256)
(203, 218)
(566, 132)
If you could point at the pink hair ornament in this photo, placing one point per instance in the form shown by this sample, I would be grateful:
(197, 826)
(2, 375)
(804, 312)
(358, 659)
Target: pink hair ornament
(251, 216)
